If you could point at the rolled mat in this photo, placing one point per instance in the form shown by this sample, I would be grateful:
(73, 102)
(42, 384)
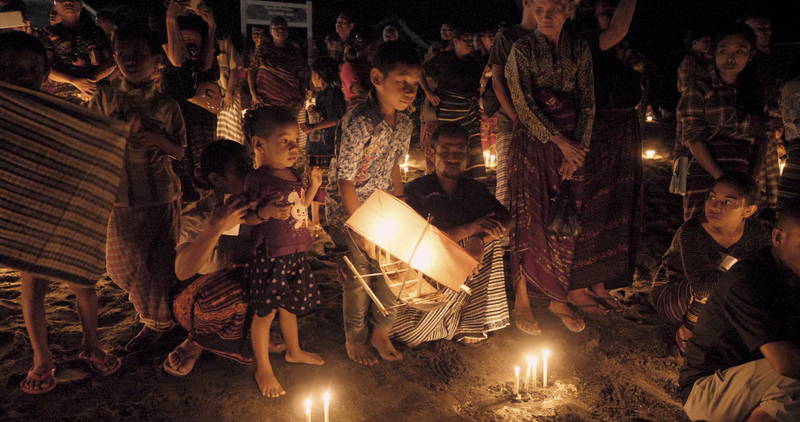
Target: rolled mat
(60, 165)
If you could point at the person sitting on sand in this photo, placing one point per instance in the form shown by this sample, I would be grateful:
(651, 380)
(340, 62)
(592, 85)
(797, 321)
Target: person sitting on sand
(465, 210)
(704, 248)
(24, 63)
(212, 246)
(742, 364)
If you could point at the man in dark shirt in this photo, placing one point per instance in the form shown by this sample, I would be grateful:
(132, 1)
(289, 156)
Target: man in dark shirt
(743, 363)
(461, 207)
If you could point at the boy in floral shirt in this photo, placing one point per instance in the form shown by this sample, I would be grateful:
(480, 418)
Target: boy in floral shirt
(374, 138)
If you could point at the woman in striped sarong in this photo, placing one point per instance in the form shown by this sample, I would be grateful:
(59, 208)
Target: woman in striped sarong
(456, 75)
(277, 70)
(717, 118)
(465, 210)
(211, 306)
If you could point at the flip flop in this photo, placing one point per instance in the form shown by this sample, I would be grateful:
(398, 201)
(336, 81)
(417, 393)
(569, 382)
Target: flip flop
(563, 316)
(47, 386)
(519, 318)
(610, 302)
(105, 366)
(175, 372)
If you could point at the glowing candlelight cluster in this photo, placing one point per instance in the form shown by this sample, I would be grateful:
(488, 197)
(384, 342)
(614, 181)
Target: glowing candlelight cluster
(650, 154)
(532, 373)
(326, 403)
(489, 159)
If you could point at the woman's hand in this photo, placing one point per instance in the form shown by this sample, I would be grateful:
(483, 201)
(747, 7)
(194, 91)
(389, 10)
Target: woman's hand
(574, 156)
(174, 10)
(273, 210)
(208, 16)
(307, 128)
(229, 214)
(433, 99)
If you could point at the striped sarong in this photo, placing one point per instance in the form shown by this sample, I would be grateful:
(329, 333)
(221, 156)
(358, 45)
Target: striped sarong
(230, 122)
(732, 156)
(463, 316)
(140, 258)
(464, 111)
(505, 130)
(60, 165)
(671, 295)
(612, 203)
(212, 308)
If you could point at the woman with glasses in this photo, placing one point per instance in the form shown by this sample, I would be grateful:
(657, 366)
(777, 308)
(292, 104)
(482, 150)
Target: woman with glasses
(704, 248)
(277, 72)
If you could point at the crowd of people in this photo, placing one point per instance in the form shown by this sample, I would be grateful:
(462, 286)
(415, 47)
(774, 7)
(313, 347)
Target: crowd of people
(230, 147)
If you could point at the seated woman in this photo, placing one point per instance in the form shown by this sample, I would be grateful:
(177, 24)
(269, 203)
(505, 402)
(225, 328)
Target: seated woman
(468, 213)
(706, 246)
(212, 241)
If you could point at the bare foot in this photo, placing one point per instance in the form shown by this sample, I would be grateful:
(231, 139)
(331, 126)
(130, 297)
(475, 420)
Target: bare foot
(361, 354)
(304, 357)
(525, 321)
(144, 339)
(268, 385)
(276, 343)
(381, 342)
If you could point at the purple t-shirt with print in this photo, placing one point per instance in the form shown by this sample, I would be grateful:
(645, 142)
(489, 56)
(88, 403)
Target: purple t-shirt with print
(280, 237)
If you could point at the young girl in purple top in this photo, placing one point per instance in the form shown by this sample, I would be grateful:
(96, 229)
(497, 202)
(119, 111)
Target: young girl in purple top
(280, 279)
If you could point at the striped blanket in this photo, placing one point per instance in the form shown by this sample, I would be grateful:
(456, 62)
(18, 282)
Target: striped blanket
(60, 165)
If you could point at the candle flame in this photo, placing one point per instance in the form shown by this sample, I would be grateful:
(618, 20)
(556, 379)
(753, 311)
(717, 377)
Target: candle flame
(531, 359)
(308, 406)
(326, 397)
(546, 353)
(516, 370)
(650, 154)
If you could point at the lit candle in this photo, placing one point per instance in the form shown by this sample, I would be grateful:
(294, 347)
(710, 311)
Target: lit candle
(533, 363)
(308, 409)
(649, 118)
(486, 158)
(528, 373)
(650, 154)
(516, 380)
(545, 357)
(326, 402)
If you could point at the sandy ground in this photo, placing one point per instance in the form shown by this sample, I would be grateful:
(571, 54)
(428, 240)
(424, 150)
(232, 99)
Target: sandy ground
(621, 368)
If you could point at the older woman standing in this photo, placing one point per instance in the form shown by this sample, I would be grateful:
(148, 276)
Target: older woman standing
(551, 81)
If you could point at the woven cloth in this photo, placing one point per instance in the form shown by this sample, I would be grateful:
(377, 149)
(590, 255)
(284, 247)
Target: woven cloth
(60, 165)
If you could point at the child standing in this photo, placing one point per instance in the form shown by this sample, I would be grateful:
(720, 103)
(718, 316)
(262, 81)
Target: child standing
(143, 227)
(324, 116)
(280, 279)
(375, 136)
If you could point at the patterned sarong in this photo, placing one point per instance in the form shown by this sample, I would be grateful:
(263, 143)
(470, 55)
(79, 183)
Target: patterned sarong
(140, 257)
(538, 258)
(60, 165)
(279, 87)
(463, 316)
(612, 203)
(213, 310)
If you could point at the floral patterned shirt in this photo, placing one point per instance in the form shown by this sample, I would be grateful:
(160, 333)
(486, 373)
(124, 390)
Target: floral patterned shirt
(567, 67)
(77, 51)
(368, 150)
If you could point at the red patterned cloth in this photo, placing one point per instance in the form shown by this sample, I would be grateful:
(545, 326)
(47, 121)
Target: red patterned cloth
(212, 308)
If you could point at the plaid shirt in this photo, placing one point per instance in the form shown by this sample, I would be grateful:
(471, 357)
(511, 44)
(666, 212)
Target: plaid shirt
(148, 178)
(368, 150)
(533, 64)
(707, 109)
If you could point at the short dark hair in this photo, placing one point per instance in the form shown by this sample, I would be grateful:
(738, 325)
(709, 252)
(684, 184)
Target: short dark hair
(345, 15)
(279, 20)
(739, 29)
(789, 210)
(138, 32)
(745, 185)
(449, 130)
(18, 41)
(392, 54)
(459, 31)
(216, 157)
(327, 68)
(263, 120)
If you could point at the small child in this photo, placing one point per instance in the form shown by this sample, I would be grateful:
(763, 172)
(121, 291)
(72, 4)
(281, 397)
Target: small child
(280, 279)
(323, 117)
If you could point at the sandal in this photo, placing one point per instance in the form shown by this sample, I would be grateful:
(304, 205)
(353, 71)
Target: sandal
(175, 371)
(610, 302)
(47, 384)
(568, 319)
(105, 366)
(527, 325)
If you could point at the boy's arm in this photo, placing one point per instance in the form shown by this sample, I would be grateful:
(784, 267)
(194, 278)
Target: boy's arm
(315, 181)
(397, 181)
(347, 188)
